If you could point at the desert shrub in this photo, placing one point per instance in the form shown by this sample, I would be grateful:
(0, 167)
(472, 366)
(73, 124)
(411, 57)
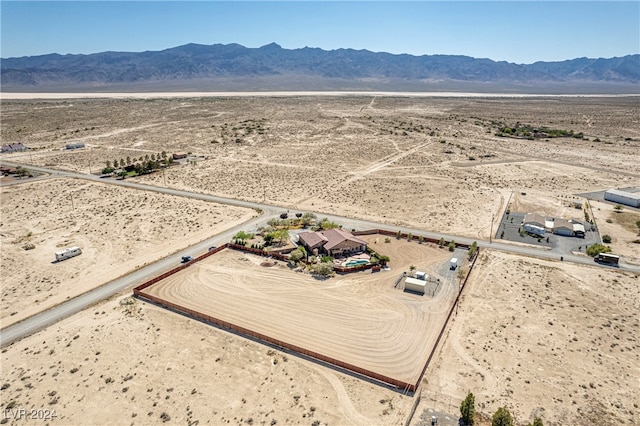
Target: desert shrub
(606, 238)
(452, 245)
(595, 249)
(502, 417)
(323, 269)
(296, 255)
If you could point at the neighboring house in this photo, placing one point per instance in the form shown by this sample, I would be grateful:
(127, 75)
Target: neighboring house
(14, 147)
(534, 219)
(563, 227)
(332, 242)
(179, 155)
(534, 223)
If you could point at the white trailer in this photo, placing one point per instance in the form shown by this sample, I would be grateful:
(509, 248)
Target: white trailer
(67, 253)
(416, 285)
(454, 263)
(534, 229)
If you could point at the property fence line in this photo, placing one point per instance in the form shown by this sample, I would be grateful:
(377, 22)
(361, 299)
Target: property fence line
(273, 341)
(408, 387)
(446, 322)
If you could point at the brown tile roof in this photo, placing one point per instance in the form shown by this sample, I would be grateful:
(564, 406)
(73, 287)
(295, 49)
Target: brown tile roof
(336, 236)
(312, 239)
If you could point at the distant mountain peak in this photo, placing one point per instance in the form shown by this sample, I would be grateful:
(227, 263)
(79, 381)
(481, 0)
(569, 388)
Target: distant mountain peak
(271, 46)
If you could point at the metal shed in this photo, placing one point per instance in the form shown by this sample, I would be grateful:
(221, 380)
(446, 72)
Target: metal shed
(416, 285)
(623, 197)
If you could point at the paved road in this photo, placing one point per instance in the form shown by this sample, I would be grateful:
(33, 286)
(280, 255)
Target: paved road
(77, 304)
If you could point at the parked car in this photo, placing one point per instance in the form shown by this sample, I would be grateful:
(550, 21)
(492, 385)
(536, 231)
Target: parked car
(186, 259)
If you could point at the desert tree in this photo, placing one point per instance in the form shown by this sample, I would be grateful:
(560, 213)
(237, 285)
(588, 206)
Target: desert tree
(472, 250)
(296, 255)
(107, 164)
(128, 160)
(536, 422)
(638, 225)
(282, 235)
(617, 208)
(468, 410)
(502, 417)
(308, 219)
(452, 245)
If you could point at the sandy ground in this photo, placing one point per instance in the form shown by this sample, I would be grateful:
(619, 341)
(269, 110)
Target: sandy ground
(360, 319)
(432, 163)
(120, 364)
(118, 230)
(545, 339)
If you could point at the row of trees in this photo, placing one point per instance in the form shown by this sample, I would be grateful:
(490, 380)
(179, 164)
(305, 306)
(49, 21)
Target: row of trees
(142, 164)
(502, 416)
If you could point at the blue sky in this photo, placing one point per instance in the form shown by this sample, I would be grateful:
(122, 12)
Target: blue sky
(514, 31)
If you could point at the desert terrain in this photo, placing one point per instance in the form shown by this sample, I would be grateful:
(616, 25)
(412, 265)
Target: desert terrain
(429, 163)
(561, 344)
(118, 230)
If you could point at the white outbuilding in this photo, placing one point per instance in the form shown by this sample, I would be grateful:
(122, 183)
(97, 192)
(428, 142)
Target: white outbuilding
(623, 197)
(413, 284)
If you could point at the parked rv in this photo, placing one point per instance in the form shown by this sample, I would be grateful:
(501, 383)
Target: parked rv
(67, 253)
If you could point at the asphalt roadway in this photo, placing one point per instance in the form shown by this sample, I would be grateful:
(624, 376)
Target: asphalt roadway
(44, 319)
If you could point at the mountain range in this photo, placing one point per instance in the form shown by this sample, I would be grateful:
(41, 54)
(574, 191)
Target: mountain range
(232, 67)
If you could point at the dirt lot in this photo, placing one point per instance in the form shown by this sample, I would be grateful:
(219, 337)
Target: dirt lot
(431, 163)
(118, 229)
(121, 364)
(360, 319)
(545, 339)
